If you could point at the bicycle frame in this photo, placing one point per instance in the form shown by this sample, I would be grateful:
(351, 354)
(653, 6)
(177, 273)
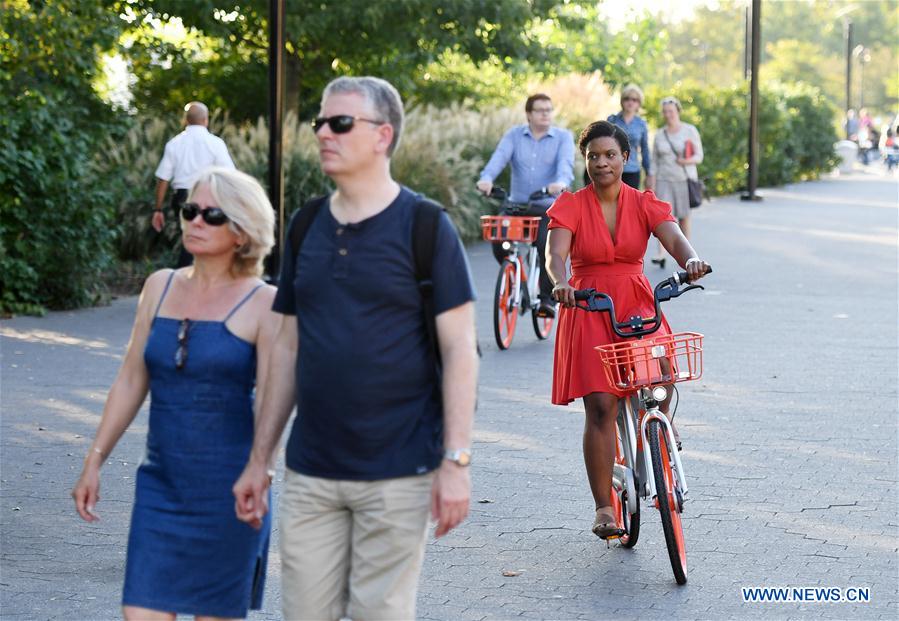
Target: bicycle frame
(532, 276)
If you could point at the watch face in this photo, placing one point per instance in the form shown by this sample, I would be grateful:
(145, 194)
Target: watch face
(463, 459)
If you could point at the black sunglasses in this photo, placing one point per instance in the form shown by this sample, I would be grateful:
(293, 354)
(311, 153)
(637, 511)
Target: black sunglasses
(213, 216)
(340, 123)
(181, 352)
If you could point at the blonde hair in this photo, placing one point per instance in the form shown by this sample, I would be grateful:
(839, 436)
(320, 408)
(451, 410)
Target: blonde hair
(249, 213)
(631, 89)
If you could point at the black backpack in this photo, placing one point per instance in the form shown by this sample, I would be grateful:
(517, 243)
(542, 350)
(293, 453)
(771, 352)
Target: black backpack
(425, 221)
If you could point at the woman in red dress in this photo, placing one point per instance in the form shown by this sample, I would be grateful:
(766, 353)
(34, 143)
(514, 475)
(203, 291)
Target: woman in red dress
(604, 228)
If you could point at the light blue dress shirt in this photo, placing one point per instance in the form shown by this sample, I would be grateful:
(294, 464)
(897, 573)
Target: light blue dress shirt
(535, 163)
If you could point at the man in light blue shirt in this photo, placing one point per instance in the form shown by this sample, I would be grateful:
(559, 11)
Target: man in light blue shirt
(542, 156)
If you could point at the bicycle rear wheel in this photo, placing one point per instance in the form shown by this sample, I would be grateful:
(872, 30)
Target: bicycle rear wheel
(669, 500)
(543, 326)
(630, 522)
(504, 313)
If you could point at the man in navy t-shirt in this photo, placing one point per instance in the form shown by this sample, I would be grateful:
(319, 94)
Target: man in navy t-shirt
(380, 440)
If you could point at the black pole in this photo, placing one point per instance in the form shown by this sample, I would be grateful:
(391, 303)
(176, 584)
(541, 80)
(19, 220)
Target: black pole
(848, 33)
(753, 173)
(275, 121)
(747, 44)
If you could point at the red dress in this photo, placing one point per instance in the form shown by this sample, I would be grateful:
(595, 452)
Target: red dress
(611, 266)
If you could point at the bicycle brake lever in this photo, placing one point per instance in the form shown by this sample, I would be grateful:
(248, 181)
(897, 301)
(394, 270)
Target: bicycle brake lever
(685, 289)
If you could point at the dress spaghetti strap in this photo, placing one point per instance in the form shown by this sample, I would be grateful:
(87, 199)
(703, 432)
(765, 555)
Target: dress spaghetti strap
(164, 292)
(241, 303)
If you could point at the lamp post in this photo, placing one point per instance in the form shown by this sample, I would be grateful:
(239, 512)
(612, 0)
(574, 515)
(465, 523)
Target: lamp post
(752, 175)
(847, 37)
(863, 55)
(275, 119)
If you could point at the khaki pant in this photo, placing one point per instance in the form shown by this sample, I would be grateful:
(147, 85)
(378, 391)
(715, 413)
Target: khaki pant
(352, 548)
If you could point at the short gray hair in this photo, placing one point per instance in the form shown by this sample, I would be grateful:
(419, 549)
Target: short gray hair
(382, 96)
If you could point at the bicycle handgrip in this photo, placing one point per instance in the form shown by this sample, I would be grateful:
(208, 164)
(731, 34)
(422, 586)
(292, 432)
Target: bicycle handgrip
(682, 276)
(584, 294)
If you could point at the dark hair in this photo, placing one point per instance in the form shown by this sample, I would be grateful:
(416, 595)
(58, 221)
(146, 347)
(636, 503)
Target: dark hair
(529, 104)
(603, 129)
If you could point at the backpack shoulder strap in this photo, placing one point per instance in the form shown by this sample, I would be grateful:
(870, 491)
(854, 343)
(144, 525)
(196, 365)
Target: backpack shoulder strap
(425, 223)
(302, 220)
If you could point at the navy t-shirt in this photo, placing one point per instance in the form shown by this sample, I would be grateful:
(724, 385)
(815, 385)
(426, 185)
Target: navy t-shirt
(368, 398)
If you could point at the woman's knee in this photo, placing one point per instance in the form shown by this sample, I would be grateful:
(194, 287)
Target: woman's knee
(600, 408)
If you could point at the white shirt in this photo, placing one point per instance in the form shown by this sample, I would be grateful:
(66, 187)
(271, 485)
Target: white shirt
(189, 153)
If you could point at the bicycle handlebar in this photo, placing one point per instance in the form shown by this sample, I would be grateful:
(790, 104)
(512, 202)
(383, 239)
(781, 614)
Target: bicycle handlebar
(669, 288)
(499, 194)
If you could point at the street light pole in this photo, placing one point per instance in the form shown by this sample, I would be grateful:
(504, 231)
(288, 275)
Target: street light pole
(753, 173)
(275, 120)
(847, 31)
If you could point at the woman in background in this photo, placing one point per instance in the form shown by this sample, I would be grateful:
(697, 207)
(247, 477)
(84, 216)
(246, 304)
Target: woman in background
(676, 150)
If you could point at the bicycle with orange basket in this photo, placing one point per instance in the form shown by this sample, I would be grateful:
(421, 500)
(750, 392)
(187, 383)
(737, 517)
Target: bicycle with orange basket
(518, 282)
(648, 463)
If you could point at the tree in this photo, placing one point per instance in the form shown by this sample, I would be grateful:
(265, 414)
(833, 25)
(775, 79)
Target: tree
(398, 40)
(55, 230)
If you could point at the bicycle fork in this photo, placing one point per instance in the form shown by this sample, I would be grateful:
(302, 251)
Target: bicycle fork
(525, 276)
(654, 413)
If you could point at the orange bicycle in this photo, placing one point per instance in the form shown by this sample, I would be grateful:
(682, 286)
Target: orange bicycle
(518, 283)
(648, 463)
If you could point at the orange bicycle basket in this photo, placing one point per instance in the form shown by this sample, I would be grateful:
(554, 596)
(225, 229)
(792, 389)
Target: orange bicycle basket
(510, 228)
(648, 362)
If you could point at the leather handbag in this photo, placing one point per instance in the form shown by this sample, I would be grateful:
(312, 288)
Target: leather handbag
(695, 187)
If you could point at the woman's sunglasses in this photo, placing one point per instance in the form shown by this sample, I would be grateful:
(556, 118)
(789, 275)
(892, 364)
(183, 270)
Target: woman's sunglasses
(212, 216)
(340, 123)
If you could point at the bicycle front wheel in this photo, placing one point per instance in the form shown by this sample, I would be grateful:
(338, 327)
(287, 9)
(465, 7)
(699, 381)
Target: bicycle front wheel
(668, 499)
(504, 312)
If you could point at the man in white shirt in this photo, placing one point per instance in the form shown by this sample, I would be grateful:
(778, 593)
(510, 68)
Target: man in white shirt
(185, 156)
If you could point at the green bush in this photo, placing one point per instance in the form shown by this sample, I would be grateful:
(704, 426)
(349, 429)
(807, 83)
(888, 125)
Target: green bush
(796, 133)
(56, 227)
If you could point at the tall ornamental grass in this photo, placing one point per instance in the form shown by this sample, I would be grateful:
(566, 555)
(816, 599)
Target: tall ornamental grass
(443, 150)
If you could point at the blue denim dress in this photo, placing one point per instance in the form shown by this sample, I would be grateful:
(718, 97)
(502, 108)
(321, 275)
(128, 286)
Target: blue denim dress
(187, 551)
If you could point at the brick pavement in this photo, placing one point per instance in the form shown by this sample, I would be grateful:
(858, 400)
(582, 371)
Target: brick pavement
(790, 443)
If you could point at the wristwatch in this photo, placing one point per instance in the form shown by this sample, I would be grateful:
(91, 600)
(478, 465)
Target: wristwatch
(460, 457)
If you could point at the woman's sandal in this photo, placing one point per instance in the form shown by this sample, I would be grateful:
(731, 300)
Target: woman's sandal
(660, 261)
(605, 524)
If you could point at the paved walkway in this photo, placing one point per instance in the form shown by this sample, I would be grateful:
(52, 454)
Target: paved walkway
(790, 442)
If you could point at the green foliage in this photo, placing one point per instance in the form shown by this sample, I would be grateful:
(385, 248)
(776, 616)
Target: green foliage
(802, 43)
(796, 133)
(56, 230)
(222, 58)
